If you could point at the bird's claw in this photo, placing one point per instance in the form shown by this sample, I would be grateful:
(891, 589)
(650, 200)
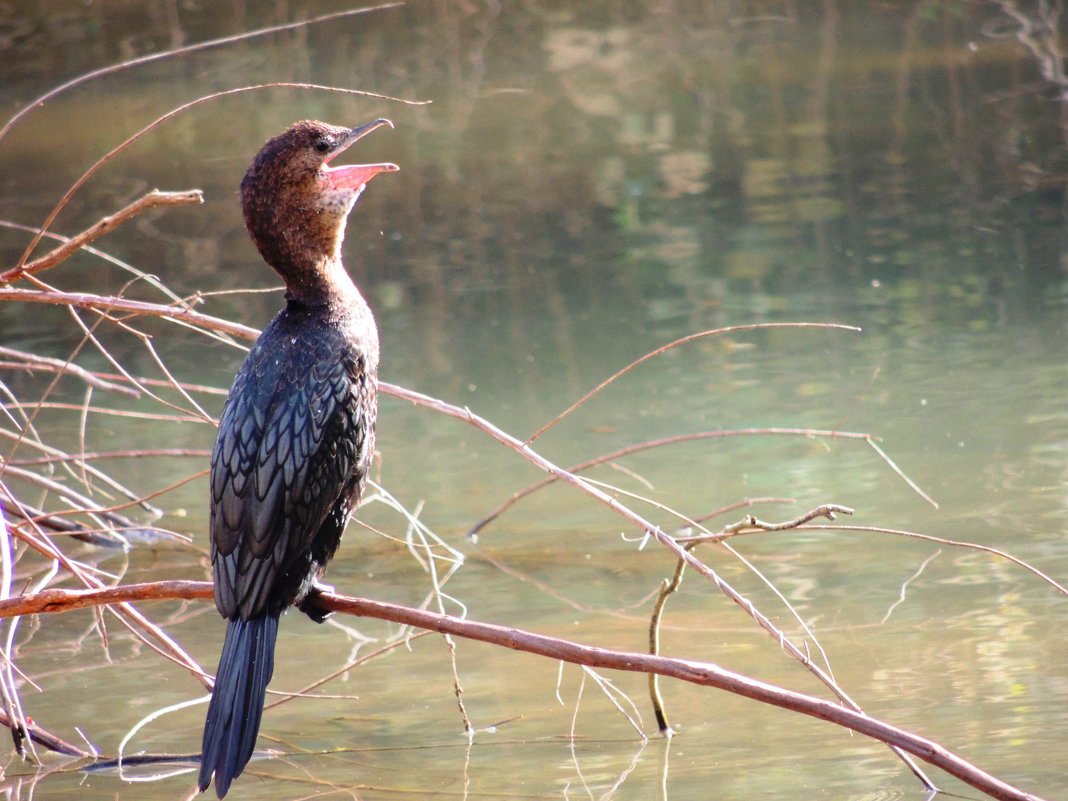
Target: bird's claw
(310, 604)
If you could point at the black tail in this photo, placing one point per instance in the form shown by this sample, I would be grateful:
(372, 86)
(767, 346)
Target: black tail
(236, 707)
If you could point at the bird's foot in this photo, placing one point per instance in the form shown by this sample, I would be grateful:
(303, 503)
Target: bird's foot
(311, 606)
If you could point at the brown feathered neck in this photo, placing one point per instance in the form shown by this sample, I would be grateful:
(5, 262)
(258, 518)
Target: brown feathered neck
(296, 205)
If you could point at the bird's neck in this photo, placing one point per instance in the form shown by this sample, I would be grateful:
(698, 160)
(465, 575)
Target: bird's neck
(322, 283)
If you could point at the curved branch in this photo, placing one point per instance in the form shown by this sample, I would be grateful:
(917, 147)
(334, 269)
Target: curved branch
(675, 439)
(180, 51)
(103, 160)
(46, 739)
(101, 303)
(702, 673)
(103, 226)
(29, 362)
(730, 329)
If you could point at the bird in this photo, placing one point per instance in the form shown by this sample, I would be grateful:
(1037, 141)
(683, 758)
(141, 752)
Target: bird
(297, 432)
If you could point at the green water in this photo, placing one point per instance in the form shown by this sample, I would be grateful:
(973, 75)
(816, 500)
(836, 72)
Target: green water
(589, 183)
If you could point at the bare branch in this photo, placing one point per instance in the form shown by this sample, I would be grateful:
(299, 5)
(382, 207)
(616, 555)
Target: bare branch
(652, 530)
(106, 304)
(87, 456)
(104, 225)
(751, 525)
(701, 673)
(730, 329)
(31, 361)
(955, 543)
(99, 163)
(180, 51)
(660, 443)
(47, 739)
(904, 477)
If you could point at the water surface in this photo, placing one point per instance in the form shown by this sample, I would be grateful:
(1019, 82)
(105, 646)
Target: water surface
(589, 184)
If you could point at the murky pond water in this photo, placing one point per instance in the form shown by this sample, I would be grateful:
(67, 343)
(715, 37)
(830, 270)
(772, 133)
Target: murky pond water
(591, 182)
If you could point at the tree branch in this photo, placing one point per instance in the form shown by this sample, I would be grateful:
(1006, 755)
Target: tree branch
(100, 303)
(101, 227)
(31, 361)
(45, 738)
(702, 673)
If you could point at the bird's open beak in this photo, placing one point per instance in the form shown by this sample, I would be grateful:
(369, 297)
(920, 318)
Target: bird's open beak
(354, 176)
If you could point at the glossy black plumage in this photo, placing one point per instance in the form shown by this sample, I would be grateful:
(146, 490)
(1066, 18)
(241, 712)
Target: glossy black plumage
(294, 444)
(233, 721)
(296, 436)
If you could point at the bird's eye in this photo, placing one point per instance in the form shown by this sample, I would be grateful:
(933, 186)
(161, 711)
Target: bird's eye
(322, 145)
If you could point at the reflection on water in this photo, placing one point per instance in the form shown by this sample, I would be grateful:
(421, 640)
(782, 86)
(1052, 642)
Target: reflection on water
(590, 183)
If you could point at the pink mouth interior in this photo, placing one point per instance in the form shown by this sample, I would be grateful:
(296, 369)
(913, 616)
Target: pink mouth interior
(353, 176)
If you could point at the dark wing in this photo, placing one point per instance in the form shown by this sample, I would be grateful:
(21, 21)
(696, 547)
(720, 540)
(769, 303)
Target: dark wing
(292, 436)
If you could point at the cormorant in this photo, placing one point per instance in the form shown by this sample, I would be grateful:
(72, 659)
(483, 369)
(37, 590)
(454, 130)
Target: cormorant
(297, 432)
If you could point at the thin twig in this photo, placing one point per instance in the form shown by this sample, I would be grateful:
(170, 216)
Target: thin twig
(31, 361)
(54, 455)
(49, 740)
(730, 329)
(306, 690)
(148, 278)
(905, 585)
(652, 530)
(102, 303)
(129, 616)
(104, 225)
(99, 163)
(660, 443)
(670, 586)
(904, 477)
(180, 51)
(1056, 585)
(146, 342)
(955, 543)
(89, 456)
(751, 525)
(667, 588)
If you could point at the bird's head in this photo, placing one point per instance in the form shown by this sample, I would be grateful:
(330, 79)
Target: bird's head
(295, 203)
